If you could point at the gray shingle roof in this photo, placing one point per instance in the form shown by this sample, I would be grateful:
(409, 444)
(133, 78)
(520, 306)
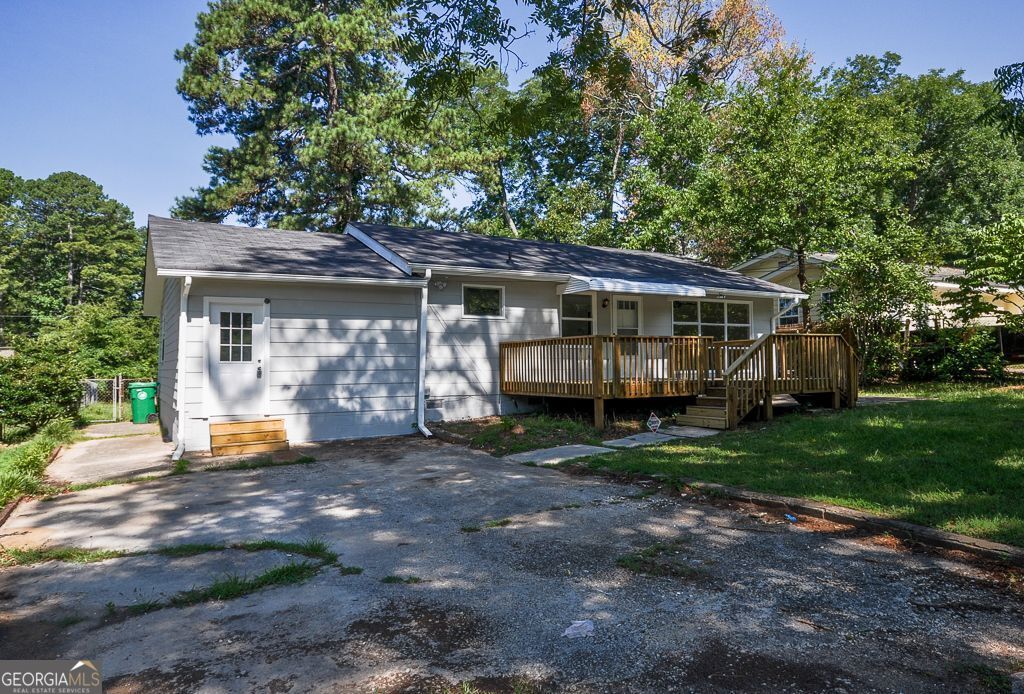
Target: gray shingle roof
(201, 246)
(421, 246)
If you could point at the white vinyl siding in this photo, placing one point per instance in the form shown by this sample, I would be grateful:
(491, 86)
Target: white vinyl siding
(342, 359)
(167, 367)
(462, 379)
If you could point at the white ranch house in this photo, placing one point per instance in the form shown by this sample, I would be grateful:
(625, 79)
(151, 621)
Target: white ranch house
(267, 335)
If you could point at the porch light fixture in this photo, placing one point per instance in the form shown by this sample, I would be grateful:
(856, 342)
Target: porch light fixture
(604, 304)
(440, 283)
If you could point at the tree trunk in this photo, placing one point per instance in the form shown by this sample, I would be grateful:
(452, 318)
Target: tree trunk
(801, 276)
(71, 267)
(609, 204)
(509, 222)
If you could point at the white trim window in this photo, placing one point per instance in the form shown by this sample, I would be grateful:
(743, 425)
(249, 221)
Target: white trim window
(722, 320)
(483, 301)
(792, 312)
(577, 316)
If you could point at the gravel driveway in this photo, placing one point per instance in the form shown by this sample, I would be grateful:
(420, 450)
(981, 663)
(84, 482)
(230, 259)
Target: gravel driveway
(745, 602)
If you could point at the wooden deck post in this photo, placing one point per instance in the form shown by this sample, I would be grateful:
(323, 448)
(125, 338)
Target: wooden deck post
(769, 378)
(598, 382)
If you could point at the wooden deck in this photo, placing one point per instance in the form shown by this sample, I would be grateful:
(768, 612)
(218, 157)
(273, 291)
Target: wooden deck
(728, 379)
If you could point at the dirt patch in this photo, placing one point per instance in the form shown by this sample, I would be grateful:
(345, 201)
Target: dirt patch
(718, 667)
(416, 629)
(184, 677)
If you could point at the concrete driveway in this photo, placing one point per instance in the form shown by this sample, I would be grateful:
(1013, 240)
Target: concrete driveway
(749, 602)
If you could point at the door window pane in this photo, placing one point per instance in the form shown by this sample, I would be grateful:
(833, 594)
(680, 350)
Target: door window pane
(627, 316)
(235, 331)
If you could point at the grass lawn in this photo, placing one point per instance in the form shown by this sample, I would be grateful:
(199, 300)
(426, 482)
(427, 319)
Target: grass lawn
(954, 462)
(22, 466)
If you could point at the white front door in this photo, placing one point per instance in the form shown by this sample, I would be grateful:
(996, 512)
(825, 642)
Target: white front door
(236, 359)
(627, 315)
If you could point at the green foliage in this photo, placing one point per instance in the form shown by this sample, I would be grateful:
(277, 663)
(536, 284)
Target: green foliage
(955, 354)
(63, 243)
(997, 262)
(22, 466)
(312, 94)
(101, 340)
(35, 389)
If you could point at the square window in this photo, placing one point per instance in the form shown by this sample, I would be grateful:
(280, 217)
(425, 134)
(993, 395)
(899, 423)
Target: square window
(236, 354)
(739, 313)
(712, 312)
(715, 331)
(225, 319)
(246, 320)
(576, 328)
(482, 301)
(576, 306)
(739, 332)
(247, 354)
(225, 353)
(684, 311)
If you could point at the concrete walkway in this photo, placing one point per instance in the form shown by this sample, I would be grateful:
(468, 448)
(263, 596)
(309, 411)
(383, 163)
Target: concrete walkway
(106, 456)
(559, 454)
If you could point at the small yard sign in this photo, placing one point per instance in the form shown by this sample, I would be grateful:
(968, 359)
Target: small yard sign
(653, 423)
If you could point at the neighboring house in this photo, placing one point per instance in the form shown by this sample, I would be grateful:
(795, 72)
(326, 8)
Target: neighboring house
(780, 267)
(380, 329)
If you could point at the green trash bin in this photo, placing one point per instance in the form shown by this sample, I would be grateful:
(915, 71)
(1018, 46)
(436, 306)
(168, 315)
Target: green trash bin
(143, 397)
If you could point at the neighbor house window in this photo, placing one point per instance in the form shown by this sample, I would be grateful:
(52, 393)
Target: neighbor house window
(481, 301)
(793, 313)
(235, 336)
(577, 315)
(722, 320)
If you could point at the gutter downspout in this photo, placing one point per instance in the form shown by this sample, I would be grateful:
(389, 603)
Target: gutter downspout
(179, 381)
(421, 355)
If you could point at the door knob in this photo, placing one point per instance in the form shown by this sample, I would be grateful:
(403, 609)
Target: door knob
(259, 369)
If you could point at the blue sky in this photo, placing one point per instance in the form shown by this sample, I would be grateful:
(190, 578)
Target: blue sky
(88, 85)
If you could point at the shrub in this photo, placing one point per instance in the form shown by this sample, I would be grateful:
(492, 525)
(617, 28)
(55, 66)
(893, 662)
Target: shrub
(35, 391)
(22, 466)
(954, 354)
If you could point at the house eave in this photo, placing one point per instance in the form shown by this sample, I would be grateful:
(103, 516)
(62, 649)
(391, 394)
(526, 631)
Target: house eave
(276, 277)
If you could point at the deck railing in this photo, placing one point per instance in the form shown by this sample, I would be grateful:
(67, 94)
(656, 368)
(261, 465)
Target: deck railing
(602, 367)
(790, 363)
(605, 366)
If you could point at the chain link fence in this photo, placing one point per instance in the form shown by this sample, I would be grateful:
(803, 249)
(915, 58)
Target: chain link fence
(106, 399)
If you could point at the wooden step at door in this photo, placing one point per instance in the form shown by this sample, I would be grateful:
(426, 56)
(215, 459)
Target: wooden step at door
(702, 421)
(715, 391)
(699, 410)
(253, 436)
(710, 401)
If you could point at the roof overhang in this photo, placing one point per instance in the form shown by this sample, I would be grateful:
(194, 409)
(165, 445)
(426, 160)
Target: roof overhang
(152, 286)
(578, 285)
(276, 277)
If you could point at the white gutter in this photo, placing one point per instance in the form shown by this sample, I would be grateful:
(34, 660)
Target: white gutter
(179, 380)
(421, 357)
(274, 277)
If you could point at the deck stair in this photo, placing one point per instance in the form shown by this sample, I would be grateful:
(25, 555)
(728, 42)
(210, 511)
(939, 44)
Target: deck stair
(709, 410)
(253, 436)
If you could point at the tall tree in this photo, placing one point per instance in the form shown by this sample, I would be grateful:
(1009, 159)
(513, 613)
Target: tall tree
(312, 95)
(64, 243)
